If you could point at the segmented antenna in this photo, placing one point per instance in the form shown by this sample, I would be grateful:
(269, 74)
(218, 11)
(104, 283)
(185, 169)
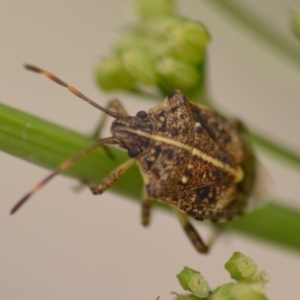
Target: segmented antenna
(72, 90)
(68, 163)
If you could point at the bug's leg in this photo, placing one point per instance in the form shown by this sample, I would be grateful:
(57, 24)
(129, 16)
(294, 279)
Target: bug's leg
(191, 232)
(146, 208)
(62, 167)
(117, 106)
(112, 177)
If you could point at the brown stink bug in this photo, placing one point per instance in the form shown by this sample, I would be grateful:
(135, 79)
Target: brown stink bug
(189, 156)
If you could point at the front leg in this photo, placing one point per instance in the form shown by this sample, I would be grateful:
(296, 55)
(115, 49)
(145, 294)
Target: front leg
(112, 177)
(118, 107)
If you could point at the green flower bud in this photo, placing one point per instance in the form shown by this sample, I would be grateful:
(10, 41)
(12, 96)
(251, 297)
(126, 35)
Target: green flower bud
(189, 42)
(243, 268)
(222, 293)
(165, 52)
(199, 286)
(111, 75)
(239, 291)
(154, 8)
(140, 65)
(177, 74)
(162, 28)
(262, 277)
(194, 282)
(184, 277)
(186, 40)
(247, 291)
(130, 40)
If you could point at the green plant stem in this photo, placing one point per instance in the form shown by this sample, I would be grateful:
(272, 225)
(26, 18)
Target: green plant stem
(276, 150)
(259, 28)
(47, 145)
(274, 223)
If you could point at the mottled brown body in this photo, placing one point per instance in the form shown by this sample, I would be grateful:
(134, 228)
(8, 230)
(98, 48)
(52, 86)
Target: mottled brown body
(195, 160)
(189, 156)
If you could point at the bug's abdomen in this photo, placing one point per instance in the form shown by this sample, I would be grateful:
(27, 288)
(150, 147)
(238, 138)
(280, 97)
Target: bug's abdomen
(215, 203)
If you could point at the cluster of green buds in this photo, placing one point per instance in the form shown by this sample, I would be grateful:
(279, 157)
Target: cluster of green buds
(250, 282)
(161, 53)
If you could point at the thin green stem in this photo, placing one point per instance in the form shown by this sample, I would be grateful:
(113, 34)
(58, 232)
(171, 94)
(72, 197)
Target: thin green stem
(47, 145)
(286, 155)
(274, 223)
(259, 28)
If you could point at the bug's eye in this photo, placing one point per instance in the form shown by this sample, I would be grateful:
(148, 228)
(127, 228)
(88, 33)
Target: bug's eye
(141, 114)
(133, 152)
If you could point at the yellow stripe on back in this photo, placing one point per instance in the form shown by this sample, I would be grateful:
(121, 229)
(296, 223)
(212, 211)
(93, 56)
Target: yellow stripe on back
(236, 172)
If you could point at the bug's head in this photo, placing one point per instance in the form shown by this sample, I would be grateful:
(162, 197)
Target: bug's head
(133, 133)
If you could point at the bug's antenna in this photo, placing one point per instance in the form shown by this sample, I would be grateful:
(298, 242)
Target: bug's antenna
(63, 167)
(71, 89)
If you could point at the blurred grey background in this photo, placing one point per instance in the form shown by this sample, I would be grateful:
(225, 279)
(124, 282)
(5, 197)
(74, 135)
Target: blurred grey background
(67, 245)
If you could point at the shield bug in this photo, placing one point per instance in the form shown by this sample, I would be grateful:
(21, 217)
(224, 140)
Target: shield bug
(190, 157)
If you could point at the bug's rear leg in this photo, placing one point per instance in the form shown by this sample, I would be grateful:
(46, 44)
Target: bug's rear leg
(191, 232)
(112, 177)
(145, 208)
